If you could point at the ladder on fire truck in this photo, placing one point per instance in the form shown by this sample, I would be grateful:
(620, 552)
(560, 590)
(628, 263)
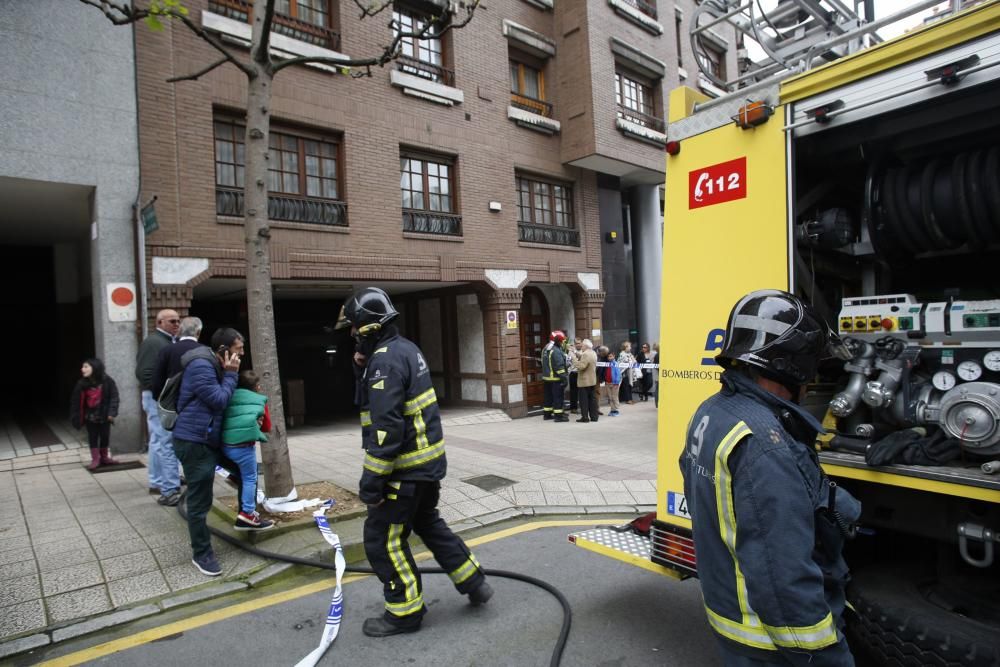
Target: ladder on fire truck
(776, 40)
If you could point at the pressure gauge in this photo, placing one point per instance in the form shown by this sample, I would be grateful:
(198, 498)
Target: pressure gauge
(969, 371)
(992, 360)
(943, 380)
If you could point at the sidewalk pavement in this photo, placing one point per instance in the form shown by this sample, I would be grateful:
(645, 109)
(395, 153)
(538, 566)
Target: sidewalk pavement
(80, 552)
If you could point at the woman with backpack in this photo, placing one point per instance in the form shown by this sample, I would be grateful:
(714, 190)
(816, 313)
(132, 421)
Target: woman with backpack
(94, 403)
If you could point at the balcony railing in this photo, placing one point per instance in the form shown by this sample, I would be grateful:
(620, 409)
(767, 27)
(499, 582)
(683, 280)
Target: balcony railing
(282, 207)
(530, 233)
(646, 8)
(240, 10)
(531, 104)
(425, 70)
(639, 118)
(428, 222)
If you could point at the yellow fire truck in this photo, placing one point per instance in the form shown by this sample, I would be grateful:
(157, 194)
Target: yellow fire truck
(867, 181)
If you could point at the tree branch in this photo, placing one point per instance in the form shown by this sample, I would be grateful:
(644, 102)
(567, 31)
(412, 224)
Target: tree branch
(434, 29)
(200, 73)
(214, 42)
(128, 14)
(262, 55)
(373, 8)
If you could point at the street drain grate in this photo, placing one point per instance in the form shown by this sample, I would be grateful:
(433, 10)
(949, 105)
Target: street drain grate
(489, 482)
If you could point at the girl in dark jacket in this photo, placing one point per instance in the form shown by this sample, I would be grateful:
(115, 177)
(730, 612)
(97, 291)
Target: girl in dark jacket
(95, 403)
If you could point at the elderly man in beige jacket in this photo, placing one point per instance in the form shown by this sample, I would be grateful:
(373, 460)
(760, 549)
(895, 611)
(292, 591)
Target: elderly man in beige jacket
(586, 382)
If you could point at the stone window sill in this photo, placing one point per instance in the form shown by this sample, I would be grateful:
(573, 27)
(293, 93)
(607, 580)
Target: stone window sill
(550, 246)
(281, 45)
(450, 238)
(533, 121)
(431, 91)
(641, 133)
(281, 224)
(632, 14)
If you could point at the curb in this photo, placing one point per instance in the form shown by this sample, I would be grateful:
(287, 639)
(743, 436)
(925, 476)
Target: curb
(57, 633)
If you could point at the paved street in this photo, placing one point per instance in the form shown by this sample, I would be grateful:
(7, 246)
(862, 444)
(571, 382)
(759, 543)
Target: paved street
(621, 616)
(79, 546)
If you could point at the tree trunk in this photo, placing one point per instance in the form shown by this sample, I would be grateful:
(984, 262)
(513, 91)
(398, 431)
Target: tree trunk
(260, 302)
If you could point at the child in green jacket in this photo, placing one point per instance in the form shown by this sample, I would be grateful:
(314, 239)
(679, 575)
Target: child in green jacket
(244, 423)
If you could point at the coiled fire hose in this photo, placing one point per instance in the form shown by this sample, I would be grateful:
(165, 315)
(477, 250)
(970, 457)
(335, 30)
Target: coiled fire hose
(557, 651)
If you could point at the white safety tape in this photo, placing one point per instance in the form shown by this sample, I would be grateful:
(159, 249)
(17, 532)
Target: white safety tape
(625, 364)
(289, 503)
(336, 613)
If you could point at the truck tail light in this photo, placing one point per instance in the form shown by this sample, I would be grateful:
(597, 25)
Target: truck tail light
(673, 547)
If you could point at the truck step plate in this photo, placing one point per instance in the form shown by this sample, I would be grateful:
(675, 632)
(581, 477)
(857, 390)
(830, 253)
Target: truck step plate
(625, 546)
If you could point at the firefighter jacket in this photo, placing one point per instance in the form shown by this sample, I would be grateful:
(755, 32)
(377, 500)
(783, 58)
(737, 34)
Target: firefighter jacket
(400, 420)
(769, 527)
(553, 363)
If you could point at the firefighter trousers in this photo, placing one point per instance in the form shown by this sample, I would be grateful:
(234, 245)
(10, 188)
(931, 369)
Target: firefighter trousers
(555, 391)
(412, 507)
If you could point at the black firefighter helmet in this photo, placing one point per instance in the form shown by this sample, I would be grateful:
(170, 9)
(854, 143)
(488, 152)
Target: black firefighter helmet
(368, 310)
(781, 335)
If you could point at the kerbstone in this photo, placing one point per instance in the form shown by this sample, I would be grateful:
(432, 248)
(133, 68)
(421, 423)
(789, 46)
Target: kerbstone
(201, 594)
(104, 621)
(23, 644)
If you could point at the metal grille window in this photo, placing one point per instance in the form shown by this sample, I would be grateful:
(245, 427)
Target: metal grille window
(633, 94)
(316, 12)
(427, 186)
(542, 203)
(306, 20)
(423, 57)
(303, 176)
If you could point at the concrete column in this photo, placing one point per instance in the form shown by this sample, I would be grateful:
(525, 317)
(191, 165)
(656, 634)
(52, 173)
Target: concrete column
(112, 256)
(588, 306)
(647, 248)
(504, 380)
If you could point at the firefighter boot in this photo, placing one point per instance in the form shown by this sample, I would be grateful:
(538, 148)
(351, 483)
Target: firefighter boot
(95, 459)
(106, 459)
(561, 417)
(483, 592)
(388, 625)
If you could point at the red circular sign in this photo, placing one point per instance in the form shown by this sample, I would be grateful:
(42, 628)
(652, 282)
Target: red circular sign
(122, 296)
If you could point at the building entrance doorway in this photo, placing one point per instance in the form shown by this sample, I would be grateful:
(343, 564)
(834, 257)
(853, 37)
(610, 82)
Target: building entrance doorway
(48, 309)
(534, 336)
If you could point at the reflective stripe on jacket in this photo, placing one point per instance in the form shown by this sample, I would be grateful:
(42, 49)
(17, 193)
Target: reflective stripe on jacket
(401, 423)
(769, 558)
(553, 363)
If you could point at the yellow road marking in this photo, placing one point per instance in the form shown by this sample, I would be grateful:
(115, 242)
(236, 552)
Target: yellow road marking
(187, 624)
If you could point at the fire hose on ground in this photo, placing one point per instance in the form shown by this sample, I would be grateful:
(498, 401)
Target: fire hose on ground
(557, 651)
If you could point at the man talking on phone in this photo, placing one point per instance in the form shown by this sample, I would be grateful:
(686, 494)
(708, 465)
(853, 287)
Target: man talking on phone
(207, 385)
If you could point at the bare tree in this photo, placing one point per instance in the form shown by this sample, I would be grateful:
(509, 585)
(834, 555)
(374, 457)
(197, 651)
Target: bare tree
(260, 69)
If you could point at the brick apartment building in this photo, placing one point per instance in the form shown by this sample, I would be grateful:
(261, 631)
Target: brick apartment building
(499, 182)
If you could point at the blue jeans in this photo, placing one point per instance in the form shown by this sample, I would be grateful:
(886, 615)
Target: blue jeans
(164, 470)
(246, 459)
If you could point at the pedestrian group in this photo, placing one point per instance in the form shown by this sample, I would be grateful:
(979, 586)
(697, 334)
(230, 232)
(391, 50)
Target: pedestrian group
(593, 377)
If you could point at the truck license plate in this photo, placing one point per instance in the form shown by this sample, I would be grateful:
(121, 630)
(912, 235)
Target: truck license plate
(677, 504)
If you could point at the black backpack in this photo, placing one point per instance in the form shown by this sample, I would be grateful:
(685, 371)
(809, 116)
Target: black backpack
(166, 404)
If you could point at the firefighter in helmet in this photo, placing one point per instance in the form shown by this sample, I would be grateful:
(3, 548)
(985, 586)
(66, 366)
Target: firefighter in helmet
(554, 368)
(403, 466)
(768, 524)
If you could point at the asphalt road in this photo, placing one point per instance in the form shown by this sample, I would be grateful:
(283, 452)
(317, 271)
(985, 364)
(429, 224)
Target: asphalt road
(622, 615)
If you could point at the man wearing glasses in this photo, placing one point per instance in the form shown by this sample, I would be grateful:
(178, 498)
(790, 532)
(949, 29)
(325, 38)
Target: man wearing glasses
(164, 476)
